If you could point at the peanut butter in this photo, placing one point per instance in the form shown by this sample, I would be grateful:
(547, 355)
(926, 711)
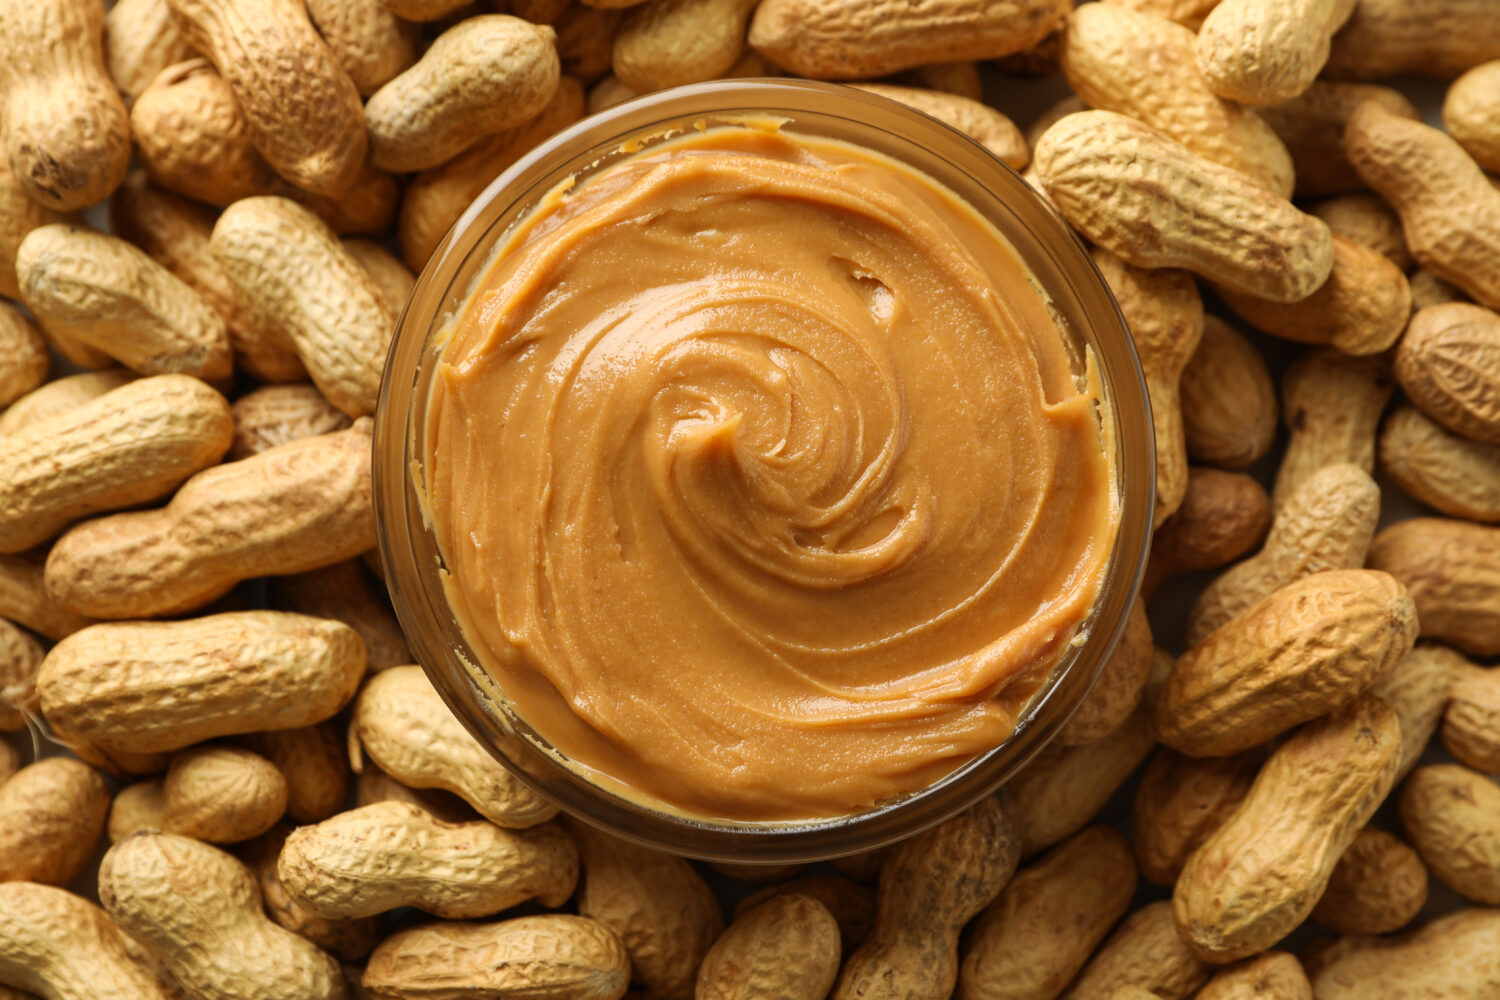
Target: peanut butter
(767, 485)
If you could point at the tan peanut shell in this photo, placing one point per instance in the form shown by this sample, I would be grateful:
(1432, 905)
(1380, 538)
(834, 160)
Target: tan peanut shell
(1471, 115)
(1304, 649)
(661, 909)
(51, 815)
(1449, 212)
(1164, 314)
(346, 592)
(1064, 788)
(370, 42)
(1141, 65)
(1181, 802)
(129, 446)
(24, 600)
(221, 795)
(1326, 524)
(1452, 815)
(174, 232)
(978, 121)
(297, 507)
(402, 724)
(1155, 203)
(20, 214)
(1361, 309)
(1386, 37)
(851, 904)
(1378, 886)
(1331, 403)
(929, 888)
(192, 138)
(108, 294)
(66, 132)
(140, 40)
(608, 92)
(482, 76)
(1223, 516)
(1452, 570)
(1366, 219)
(850, 39)
(349, 940)
(23, 355)
(282, 259)
(436, 198)
(1456, 957)
(198, 912)
(232, 673)
(1427, 289)
(1449, 365)
(392, 278)
(1144, 951)
(786, 948)
(275, 414)
(1189, 13)
(668, 43)
(314, 762)
(1119, 688)
(552, 955)
(137, 807)
(372, 785)
(20, 657)
(1418, 690)
(59, 396)
(310, 129)
(1260, 875)
(62, 947)
(1272, 975)
(1039, 932)
(1455, 475)
(1229, 408)
(1267, 51)
(1312, 127)
(392, 854)
(1471, 724)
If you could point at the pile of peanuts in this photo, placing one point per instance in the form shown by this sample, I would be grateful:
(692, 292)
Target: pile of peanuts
(228, 332)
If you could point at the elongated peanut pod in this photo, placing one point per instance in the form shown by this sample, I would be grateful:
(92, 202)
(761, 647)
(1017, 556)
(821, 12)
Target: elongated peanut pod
(1312, 127)
(129, 446)
(1155, 203)
(1452, 569)
(371, 43)
(66, 132)
(978, 121)
(787, 946)
(197, 911)
(483, 76)
(1229, 407)
(309, 126)
(668, 43)
(282, 260)
(1266, 51)
(1456, 956)
(1331, 403)
(1141, 64)
(63, 947)
(111, 296)
(51, 816)
(221, 795)
(239, 672)
(140, 40)
(1144, 952)
(294, 508)
(1387, 37)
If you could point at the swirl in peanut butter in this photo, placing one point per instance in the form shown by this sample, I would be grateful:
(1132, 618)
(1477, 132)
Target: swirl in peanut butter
(767, 484)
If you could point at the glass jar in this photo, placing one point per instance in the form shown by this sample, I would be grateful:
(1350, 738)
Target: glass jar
(414, 565)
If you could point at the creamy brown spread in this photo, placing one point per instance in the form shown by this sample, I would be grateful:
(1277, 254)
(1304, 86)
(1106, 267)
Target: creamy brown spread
(767, 484)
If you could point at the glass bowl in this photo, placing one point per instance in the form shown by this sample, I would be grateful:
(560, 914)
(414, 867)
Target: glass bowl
(414, 564)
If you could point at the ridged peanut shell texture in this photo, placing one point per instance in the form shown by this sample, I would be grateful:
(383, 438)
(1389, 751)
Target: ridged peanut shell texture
(197, 911)
(850, 39)
(1301, 651)
(552, 955)
(303, 112)
(66, 131)
(129, 446)
(485, 75)
(787, 947)
(1449, 364)
(1156, 203)
(1141, 65)
(1452, 815)
(392, 854)
(1452, 570)
(1455, 475)
(1456, 957)
(1260, 875)
(51, 815)
(141, 687)
(1267, 51)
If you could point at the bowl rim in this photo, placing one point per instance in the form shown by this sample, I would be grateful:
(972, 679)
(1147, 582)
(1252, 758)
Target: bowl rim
(400, 512)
